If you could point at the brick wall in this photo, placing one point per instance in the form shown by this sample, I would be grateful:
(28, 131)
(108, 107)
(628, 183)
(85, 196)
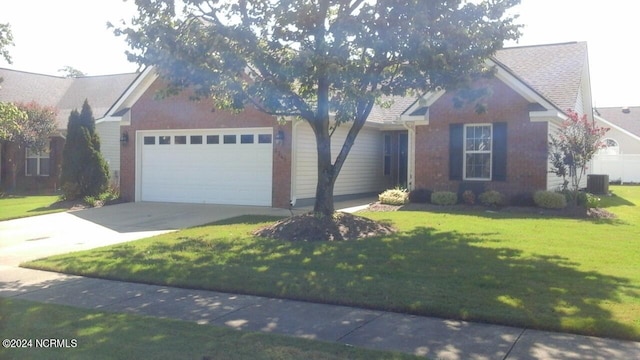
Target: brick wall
(13, 169)
(179, 112)
(526, 142)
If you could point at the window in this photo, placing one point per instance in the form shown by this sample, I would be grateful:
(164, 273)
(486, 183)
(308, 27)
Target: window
(149, 140)
(611, 147)
(264, 139)
(180, 140)
(386, 155)
(164, 140)
(229, 139)
(213, 139)
(37, 163)
(195, 139)
(246, 139)
(477, 152)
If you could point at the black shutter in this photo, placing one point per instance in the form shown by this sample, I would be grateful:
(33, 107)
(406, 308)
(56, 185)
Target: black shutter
(456, 151)
(499, 164)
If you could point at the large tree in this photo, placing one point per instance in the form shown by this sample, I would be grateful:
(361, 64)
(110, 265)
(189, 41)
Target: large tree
(84, 170)
(324, 61)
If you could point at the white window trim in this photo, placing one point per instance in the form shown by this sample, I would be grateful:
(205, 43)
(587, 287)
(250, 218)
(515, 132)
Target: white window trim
(38, 156)
(465, 152)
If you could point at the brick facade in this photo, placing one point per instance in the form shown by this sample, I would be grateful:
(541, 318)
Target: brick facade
(14, 173)
(179, 112)
(526, 143)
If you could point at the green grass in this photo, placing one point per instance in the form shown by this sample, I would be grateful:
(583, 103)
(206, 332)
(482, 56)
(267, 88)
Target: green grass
(100, 335)
(14, 207)
(580, 276)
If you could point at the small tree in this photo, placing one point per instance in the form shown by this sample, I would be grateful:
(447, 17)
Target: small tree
(572, 148)
(84, 170)
(27, 125)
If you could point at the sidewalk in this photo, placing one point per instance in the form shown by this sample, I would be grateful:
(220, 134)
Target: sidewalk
(431, 337)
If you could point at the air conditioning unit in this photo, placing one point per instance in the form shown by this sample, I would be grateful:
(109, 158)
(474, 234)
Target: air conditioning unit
(598, 184)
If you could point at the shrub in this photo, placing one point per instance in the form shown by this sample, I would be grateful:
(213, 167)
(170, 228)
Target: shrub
(420, 196)
(491, 198)
(590, 201)
(394, 197)
(522, 199)
(444, 198)
(550, 200)
(468, 197)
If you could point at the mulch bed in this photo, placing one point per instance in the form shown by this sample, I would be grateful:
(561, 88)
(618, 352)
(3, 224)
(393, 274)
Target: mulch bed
(308, 227)
(569, 212)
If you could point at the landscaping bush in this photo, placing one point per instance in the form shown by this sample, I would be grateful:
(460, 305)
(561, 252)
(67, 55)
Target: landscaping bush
(491, 198)
(522, 199)
(444, 198)
(394, 197)
(590, 201)
(420, 196)
(550, 200)
(468, 197)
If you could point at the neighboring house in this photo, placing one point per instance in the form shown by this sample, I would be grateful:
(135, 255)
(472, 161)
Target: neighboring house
(40, 171)
(621, 157)
(182, 151)
(178, 150)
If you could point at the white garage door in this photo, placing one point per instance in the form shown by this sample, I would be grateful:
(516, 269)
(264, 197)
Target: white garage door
(218, 166)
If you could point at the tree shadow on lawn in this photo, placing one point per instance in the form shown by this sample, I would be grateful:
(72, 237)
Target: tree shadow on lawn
(422, 272)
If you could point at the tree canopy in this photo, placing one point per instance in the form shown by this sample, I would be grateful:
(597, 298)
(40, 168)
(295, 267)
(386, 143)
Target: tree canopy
(324, 61)
(6, 40)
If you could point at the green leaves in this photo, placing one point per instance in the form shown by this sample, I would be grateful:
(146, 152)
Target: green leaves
(280, 55)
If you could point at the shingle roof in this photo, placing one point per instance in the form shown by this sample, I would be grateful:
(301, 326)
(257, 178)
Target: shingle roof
(629, 121)
(396, 105)
(554, 70)
(65, 94)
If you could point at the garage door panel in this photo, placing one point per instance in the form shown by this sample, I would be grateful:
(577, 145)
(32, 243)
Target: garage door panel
(208, 173)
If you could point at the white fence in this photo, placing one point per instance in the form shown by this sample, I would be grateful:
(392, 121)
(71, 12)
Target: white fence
(625, 168)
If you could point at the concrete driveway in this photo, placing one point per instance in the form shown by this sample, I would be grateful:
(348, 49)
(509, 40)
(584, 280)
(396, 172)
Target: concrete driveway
(35, 237)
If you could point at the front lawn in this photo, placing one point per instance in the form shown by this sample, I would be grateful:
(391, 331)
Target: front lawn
(572, 275)
(99, 335)
(13, 207)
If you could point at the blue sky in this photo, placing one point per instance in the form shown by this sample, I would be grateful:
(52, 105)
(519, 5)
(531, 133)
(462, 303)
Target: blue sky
(74, 33)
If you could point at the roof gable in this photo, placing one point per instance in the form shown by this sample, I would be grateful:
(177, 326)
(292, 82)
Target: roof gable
(65, 94)
(627, 118)
(556, 71)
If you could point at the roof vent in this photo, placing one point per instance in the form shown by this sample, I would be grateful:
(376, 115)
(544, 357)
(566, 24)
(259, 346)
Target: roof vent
(626, 110)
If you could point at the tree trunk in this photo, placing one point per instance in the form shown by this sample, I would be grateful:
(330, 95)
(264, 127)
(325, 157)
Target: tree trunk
(326, 175)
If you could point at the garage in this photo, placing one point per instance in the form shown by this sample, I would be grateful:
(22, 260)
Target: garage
(214, 166)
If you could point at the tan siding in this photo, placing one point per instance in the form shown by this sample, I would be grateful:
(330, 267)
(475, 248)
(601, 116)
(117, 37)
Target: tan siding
(361, 173)
(109, 132)
(553, 182)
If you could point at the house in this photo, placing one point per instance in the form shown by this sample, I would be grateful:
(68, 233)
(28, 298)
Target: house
(621, 157)
(40, 171)
(183, 151)
(176, 150)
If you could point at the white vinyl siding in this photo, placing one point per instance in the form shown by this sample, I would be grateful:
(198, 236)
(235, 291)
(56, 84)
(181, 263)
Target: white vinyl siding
(109, 133)
(553, 182)
(361, 173)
